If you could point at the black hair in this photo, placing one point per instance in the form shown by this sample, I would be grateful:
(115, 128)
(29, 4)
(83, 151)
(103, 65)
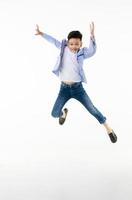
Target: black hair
(74, 34)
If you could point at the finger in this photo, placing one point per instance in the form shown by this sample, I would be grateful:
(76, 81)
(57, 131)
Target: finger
(90, 27)
(37, 26)
(93, 25)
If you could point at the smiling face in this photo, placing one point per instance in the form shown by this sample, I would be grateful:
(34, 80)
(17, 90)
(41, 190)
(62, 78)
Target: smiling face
(74, 44)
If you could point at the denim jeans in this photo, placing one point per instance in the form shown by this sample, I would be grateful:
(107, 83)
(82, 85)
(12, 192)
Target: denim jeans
(77, 92)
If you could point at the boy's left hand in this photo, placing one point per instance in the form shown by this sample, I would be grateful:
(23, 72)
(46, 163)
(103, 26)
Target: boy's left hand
(38, 32)
(92, 30)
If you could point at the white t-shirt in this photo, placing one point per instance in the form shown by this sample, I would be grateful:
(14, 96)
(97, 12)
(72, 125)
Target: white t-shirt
(69, 69)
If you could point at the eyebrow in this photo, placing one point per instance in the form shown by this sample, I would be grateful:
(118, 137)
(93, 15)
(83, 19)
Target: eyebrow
(73, 43)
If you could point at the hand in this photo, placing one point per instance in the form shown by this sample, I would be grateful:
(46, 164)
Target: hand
(38, 32)
(92, 30)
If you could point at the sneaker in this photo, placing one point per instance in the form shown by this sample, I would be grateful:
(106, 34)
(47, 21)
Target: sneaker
(61, 118)
(113, 137)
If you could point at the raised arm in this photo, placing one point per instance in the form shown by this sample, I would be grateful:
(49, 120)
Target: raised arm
(90, 51)
(48, 37)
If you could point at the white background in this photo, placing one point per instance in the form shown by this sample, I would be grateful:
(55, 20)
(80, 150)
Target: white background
(38, 158)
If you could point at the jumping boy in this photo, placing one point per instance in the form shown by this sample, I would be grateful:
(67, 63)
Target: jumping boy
(69, 68)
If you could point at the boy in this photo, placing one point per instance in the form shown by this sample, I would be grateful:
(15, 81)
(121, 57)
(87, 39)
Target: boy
(69, 68)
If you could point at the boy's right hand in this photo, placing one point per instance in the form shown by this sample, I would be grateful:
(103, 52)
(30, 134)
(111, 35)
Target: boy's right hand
(38, 32)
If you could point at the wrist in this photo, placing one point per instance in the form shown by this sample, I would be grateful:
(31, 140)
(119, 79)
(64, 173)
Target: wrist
(92, 37)
(41, 33)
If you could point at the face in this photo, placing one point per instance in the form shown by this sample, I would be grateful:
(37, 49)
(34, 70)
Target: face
(74, 44)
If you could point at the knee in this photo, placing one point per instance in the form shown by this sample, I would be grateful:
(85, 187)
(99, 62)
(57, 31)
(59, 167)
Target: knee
(93, 110)
(54, 114)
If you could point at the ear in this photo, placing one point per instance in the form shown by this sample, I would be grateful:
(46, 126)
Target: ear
(81, 44)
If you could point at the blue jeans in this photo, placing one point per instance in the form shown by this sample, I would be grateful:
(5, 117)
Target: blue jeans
(77, 92)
